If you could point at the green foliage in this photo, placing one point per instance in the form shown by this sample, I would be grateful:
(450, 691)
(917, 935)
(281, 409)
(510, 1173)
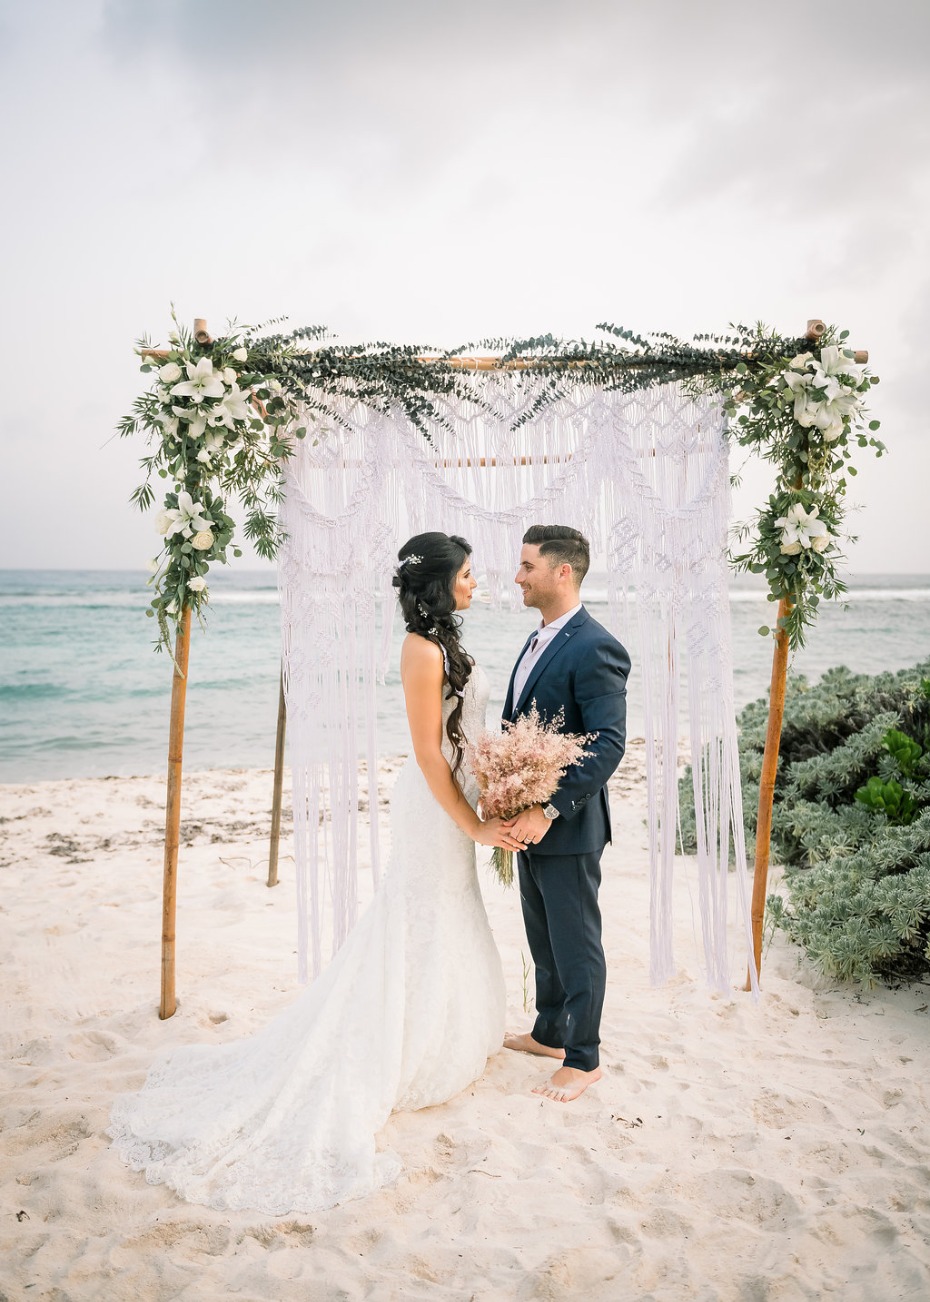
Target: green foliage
(223, 437)
(851, 822)
(903, 750)
(805, 414)
(799, 409)
(889, 798)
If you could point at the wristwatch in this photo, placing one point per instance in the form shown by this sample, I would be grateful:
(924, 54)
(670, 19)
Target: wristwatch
(550, 811)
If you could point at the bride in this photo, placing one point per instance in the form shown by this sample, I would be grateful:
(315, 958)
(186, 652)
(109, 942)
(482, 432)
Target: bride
(410, 1008)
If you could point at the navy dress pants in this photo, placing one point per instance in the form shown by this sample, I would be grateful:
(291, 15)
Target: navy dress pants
(563, 926)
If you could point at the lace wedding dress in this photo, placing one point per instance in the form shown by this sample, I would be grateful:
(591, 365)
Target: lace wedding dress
(404, 1017)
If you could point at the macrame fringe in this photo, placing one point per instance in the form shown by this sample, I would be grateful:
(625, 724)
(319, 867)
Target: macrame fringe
(645, 477)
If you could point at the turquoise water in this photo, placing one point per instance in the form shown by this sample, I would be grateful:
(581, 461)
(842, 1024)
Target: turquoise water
(82, 692)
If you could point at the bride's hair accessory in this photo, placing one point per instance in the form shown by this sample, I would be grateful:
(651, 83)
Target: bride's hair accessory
(408, 560)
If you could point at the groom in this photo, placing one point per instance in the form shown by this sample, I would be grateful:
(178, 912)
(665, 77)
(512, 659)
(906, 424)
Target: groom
(570, 663)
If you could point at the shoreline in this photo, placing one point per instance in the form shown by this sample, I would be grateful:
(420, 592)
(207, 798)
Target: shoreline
(733, 1149)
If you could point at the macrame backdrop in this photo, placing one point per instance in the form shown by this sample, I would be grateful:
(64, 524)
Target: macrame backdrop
(644, 476)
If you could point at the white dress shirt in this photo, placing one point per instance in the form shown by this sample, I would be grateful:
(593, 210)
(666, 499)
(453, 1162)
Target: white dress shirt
(543, 636)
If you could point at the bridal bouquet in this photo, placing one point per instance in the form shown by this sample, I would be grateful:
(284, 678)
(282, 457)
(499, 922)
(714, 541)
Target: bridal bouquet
(522, 766)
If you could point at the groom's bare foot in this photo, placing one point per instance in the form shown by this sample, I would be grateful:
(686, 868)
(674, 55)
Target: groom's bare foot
(526, 1044)
(568, 1083)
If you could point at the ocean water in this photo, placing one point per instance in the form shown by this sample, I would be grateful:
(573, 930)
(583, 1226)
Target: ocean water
(82, 692)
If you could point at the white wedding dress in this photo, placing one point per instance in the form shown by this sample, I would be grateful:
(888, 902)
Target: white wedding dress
(404, 1017)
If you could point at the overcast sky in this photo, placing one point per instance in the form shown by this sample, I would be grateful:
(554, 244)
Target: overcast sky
(432, 172)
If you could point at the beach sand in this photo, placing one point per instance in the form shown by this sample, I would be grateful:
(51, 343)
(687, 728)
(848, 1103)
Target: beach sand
(753, 1152)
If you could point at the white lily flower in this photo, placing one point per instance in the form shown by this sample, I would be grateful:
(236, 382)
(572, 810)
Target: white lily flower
(170, 425)
(798, 385)
(838, 361)
(230, 375)
(196, 418)
(241, 354)
(830, 416)
(212, 444)
(234, 407)
(186, 518)
(202, 382)
(170, 373)
(198, 423)
(799, 528)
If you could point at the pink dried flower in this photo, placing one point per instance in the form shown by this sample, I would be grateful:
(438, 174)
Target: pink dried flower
(522, 766)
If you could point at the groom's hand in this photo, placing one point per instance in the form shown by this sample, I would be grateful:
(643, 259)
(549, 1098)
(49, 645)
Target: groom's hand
(531, 826)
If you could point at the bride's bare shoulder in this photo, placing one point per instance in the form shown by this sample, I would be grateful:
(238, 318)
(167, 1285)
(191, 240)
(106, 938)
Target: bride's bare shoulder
(420, 654)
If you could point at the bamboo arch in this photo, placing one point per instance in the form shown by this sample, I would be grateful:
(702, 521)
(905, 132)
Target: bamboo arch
(168, 995)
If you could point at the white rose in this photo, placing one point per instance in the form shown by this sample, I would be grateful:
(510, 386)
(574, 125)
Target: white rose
(204, 456)
(790, 549)
(798, 363)
(202, 541)
(171, 608)
(821, 542)
(162, 522)
(197, 584)
(241, 354)
(170, 373)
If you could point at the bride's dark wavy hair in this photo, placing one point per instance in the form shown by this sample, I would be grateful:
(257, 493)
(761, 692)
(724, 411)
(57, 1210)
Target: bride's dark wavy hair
(426, 570)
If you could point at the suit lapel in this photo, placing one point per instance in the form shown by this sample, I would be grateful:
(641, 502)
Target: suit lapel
(561, 640)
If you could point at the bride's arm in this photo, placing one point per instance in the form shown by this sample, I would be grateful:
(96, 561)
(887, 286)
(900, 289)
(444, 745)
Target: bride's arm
(421, 672)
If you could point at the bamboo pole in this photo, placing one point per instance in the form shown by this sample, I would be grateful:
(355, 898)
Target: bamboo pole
(173, 815)
(278, 786)
(777, 692)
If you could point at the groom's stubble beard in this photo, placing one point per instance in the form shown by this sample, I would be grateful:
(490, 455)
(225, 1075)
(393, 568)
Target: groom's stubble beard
(549, 600)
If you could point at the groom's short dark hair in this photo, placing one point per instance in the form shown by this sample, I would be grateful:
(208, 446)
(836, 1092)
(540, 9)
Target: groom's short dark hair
(561, 546)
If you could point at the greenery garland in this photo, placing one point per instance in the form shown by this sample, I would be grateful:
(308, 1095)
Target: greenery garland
(222, 423)
(222, 416)
(803, 415)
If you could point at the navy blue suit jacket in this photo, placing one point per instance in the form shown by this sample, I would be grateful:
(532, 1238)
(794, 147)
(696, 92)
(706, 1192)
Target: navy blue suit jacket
(583, 671)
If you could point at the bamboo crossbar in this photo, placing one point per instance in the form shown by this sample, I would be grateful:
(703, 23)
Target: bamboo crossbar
(815, 329)
(860, 356)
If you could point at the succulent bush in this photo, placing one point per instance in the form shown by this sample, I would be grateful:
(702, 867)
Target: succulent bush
(851, 820)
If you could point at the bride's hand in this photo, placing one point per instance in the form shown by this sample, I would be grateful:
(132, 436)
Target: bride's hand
(494, 833)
